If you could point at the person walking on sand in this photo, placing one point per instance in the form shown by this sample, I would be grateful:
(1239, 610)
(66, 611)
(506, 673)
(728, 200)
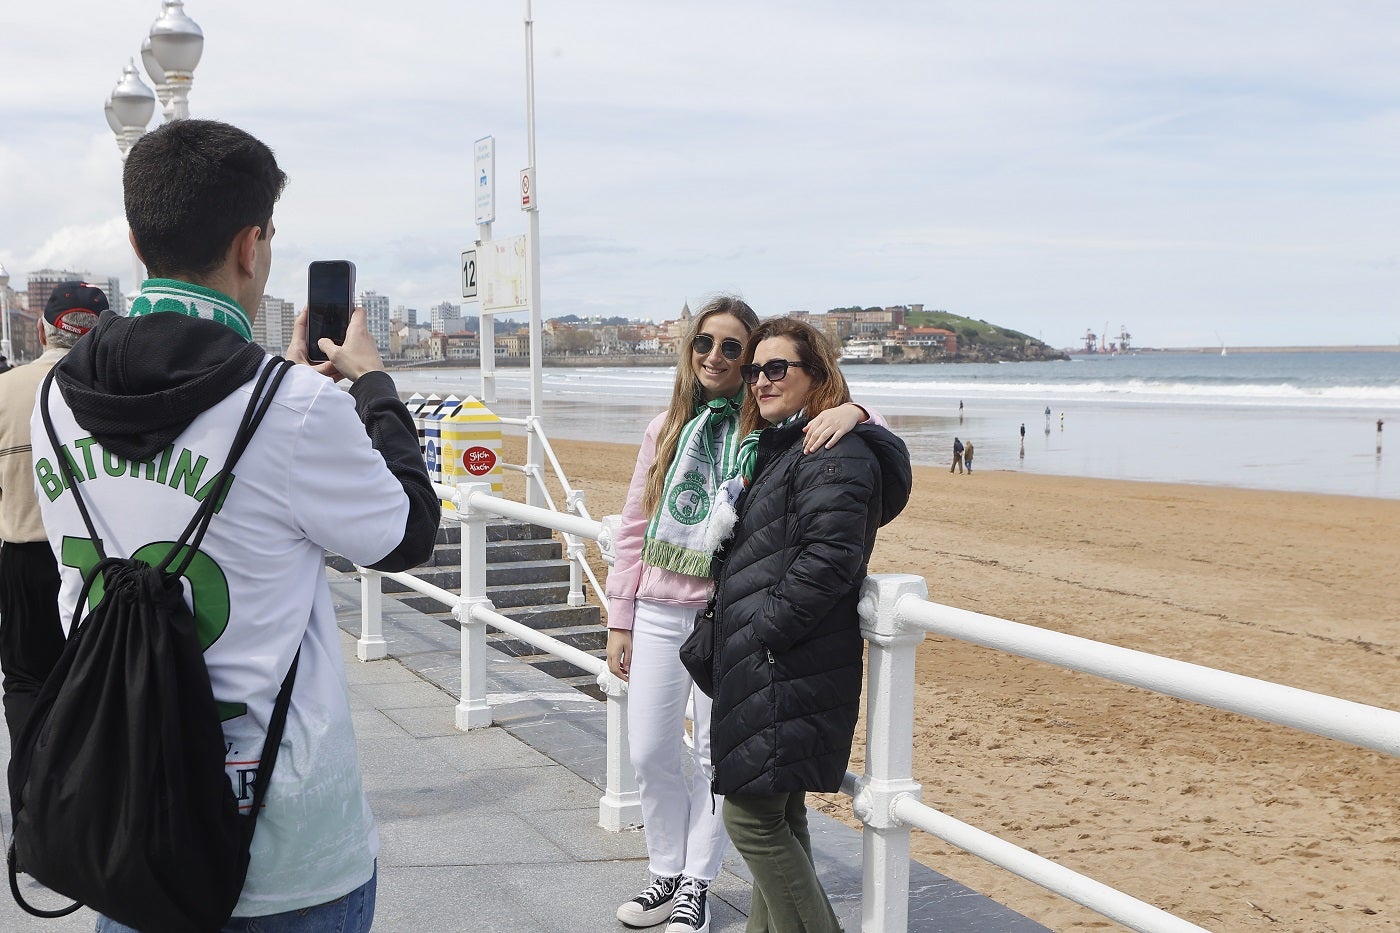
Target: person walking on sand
(967, 456)
(957, 457)
(659, 581)
(787, 663)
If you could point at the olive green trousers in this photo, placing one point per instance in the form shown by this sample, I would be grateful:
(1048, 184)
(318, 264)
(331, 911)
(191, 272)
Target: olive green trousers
(770, 832)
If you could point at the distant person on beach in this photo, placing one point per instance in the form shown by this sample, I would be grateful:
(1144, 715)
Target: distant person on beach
(788, 661)
(326, 470)
(31, 635)
(957, 456)
(1023, 432)
(967, 456)
(659, 580)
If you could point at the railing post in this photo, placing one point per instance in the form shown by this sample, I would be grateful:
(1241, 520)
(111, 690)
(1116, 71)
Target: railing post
(889, 751)
(578, 553)
(620, 807)
(534, 486)
(473, 712)
(371, 646)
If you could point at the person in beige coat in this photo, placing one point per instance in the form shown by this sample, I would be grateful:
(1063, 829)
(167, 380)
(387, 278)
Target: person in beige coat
(31, 637)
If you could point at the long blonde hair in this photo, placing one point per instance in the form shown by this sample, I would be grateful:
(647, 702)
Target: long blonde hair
(817, 356)
(688, 394)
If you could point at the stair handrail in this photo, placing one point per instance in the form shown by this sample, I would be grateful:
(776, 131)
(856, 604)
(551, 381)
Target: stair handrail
(575, 546)
(473, 505)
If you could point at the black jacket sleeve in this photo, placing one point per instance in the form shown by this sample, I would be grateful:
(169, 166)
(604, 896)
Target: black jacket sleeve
(392, 432)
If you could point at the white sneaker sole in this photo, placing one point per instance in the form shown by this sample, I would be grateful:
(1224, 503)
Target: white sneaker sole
(632, 915)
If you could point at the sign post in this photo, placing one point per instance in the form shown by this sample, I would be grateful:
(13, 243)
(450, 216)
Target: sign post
(484, 175)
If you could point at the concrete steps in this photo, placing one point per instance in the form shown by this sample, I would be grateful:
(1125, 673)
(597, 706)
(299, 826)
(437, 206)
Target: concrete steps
(527, 579)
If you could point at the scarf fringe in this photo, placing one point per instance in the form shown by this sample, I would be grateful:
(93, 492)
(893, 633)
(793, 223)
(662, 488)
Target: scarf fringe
(675, 558)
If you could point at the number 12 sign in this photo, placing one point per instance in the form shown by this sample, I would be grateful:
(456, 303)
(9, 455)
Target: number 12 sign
(469, 287)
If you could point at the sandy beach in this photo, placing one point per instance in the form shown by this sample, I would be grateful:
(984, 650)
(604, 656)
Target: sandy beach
(1231, 823)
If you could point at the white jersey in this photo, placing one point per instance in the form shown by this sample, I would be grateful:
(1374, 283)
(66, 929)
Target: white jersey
(309, 480)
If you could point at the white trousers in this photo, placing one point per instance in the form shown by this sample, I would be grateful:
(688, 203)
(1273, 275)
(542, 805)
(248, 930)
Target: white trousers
(684, 824)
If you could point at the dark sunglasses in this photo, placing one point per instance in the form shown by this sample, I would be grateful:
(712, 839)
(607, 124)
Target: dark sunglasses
(729, 347)
(775, 370)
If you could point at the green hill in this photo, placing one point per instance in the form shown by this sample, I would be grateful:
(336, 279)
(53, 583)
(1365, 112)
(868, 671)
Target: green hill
(979, 341)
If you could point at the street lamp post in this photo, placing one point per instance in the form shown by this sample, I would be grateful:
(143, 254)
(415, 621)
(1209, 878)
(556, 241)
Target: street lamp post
(157, 76)
(4, 312)
(169, 55)
(176, 43)
(129, 109)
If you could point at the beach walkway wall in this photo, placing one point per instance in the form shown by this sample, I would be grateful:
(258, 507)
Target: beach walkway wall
(895, 617)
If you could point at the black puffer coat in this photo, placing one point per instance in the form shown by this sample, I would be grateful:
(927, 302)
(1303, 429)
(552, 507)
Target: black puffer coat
(789, 660)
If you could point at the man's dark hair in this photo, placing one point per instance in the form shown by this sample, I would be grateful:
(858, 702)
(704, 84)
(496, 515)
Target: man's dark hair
(190, 186)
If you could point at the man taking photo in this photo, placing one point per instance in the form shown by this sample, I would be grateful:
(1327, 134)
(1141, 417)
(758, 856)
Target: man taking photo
(146, 408)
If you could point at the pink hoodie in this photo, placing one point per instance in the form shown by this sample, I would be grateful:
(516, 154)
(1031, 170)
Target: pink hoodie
(630, 579)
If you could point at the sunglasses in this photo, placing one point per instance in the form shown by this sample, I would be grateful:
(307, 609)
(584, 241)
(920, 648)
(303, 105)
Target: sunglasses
(775, 370)
(729, 347)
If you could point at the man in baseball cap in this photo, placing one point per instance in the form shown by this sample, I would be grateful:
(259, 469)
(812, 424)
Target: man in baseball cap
(73, 309)
(31, 636)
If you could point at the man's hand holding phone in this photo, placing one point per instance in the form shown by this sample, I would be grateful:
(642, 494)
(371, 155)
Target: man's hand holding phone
(349, 360)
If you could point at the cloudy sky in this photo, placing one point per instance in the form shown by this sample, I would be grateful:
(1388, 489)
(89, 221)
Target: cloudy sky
(1183, 169)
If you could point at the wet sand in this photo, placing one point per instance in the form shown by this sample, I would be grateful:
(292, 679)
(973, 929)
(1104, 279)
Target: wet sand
(1231, 823)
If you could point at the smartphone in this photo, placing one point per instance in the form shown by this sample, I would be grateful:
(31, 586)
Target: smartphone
(329, 300)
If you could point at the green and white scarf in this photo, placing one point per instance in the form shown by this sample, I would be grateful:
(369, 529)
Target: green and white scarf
(193, 301)
(747, 456)
(677, 537)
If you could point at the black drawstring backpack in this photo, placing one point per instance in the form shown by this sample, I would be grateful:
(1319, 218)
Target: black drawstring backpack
(117, 782)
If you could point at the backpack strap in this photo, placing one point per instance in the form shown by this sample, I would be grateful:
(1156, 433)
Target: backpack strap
(272, 744)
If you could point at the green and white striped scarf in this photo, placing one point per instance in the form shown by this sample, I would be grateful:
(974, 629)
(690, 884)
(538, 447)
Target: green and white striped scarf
(747, 455)
(193, 301)
(676, 537)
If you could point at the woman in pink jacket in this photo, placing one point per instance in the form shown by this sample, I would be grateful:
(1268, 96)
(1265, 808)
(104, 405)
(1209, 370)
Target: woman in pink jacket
(659, 581)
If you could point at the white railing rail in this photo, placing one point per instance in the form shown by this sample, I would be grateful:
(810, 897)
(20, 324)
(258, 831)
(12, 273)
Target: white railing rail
(575, 547)
(620, 806)
(894, 618)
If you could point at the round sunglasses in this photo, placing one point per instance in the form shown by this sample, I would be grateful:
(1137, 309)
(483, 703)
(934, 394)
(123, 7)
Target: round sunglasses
(731, 349)
(775, 370)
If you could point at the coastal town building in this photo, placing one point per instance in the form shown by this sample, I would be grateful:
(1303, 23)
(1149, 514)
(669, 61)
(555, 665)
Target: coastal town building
(446, 311)
(376, 317)
(272, 327)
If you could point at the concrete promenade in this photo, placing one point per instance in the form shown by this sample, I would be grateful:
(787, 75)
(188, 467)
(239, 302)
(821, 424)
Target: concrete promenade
(496, 829)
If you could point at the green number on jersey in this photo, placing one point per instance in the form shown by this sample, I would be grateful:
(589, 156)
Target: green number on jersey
(208, 592)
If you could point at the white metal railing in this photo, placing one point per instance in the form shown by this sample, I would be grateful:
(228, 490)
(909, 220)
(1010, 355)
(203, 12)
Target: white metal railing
(895, 616)
(620, 806)
(575, 547)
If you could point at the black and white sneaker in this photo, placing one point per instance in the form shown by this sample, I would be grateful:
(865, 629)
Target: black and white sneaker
(691, 913)
(651, 906)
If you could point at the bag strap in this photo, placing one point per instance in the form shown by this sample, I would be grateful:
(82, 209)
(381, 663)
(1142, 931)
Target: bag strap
(272, 743)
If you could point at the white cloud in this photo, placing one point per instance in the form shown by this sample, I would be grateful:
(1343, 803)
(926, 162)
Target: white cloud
(1030, 163)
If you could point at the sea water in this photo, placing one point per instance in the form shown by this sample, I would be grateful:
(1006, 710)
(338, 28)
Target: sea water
(1296, 421)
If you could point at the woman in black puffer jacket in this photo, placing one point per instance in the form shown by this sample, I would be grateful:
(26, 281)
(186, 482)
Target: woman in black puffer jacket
(788, 665)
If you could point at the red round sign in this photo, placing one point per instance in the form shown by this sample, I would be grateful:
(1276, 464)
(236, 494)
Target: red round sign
(478, 461)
